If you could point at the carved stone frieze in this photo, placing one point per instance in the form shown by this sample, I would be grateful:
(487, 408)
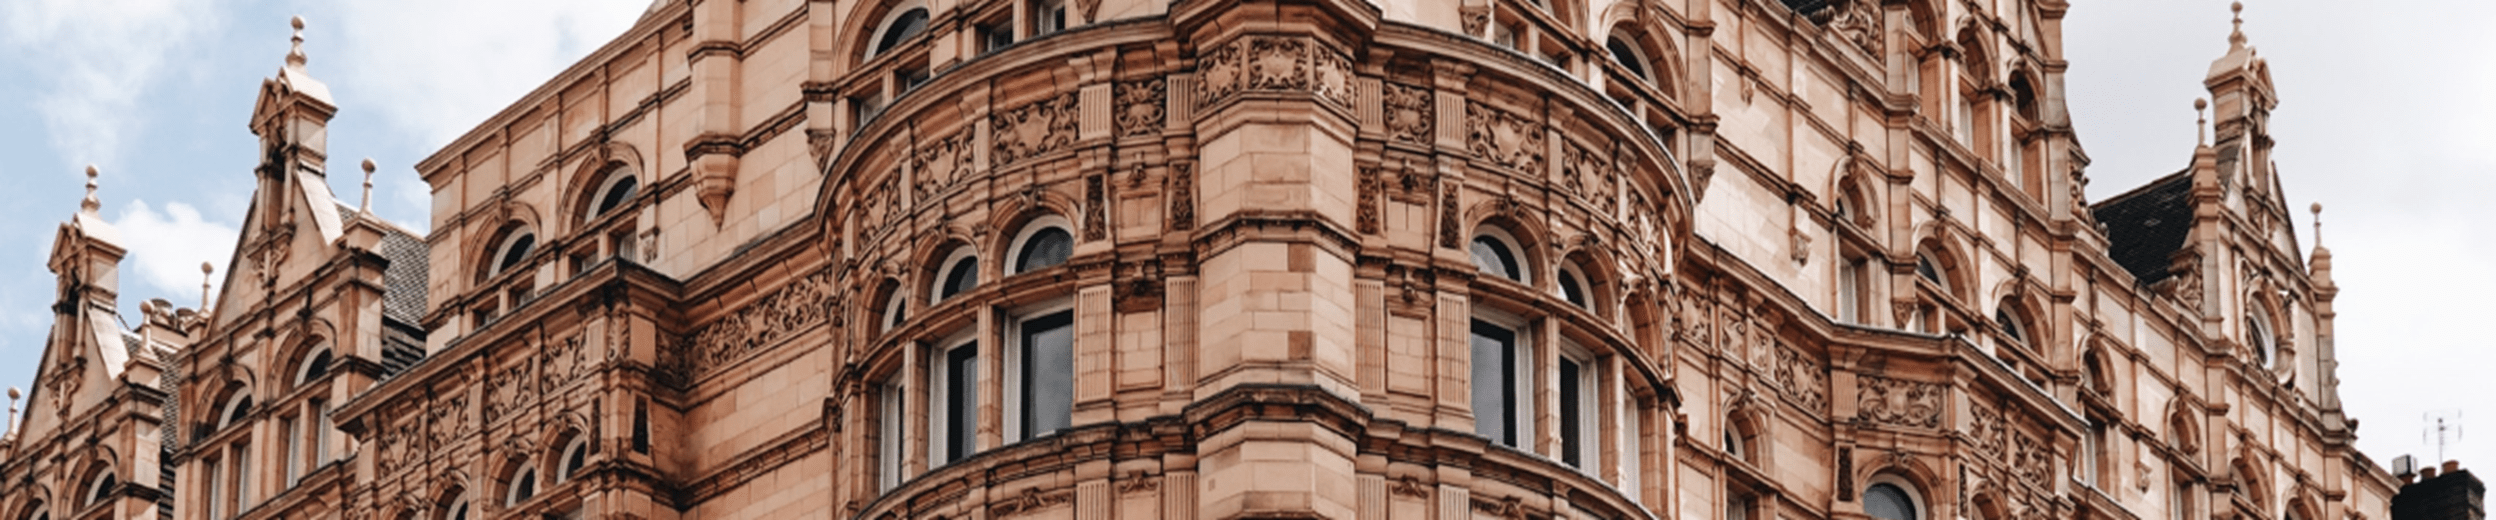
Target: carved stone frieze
(1475, 18)
(1859, 23)
(1274, 63)
(1409, 487)
(1141, 106)
(1408, 113)
(1899, 402)
(1031, 499)
(1037, 128)
(770, 320)
(1801, 379)
(2029, 459)
(1450, 232)
(1413, 183)
(941, 163)
(1985, 429)
(1503, 139)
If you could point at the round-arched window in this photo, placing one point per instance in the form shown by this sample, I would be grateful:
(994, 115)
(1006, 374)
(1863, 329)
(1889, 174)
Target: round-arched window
(314, 366)
(236, 408)
(620, 186)
(2258, 336)
(1495, 253)
(523, 487)
(458, 510)
(900, 29)
(1043, 244)
(1889, 501)
(960, 275)
(515, 248)
(896, 306)
(2012, 329)
(1571, 288)
(575, 456)
(1629, 57)
(102, 487)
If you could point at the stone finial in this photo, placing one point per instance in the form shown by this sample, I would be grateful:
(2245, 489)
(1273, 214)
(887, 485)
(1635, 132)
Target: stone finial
(294, 57)
(2317, 209)
(367, 206)
(205, 271)
(90, 204)
(2201, 122)
(2236, 38)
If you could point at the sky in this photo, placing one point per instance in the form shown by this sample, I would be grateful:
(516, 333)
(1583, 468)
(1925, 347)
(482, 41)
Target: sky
(2384, 108)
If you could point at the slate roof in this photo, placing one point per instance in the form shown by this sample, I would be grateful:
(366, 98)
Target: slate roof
(2145, 226)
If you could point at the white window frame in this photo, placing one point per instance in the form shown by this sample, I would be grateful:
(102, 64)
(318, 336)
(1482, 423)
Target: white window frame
(494, 266)
(1014, 253)
(95, 486)
(598, 197)
(891, 427)
(1041, 25)
(1915, 495)
(1850, 289)
(563, 459)
(939, 391)
(458, 510)
(877, 37)
(896, 307)
(1522, 417)
(1589, 407)
(512, 495)
(944, 271)
(1585, 289)
(225, 412)
(1525, 260)
(1015, 385)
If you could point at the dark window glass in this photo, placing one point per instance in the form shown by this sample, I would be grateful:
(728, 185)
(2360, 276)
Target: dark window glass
(616, 194)
(960, 278)
(1493, 257)
(519, 249)
(910, 24)
(524, 487)
(1627, 56)
(1048, 374)
(641, 426)
(1494, 383)
(1572, 411)
(241, 409)
(573, 460)
(1924, 268)
(1045, 249)
(317, 367)
(1572, 291)
(1888, 502)
(104, 487)
(961, 401)
(2010, 326)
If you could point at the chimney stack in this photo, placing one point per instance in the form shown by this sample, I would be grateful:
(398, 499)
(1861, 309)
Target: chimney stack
(2442, 493)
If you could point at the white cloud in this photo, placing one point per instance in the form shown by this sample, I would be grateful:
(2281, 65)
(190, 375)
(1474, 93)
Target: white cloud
(166, 248)
(99, 55)
(435, 69)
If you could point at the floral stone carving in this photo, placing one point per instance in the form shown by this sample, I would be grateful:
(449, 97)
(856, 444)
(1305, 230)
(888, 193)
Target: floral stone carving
(1502, 138)
(1030, 130)
(1274, 63)
(1899, 402)
(1140, 107)
(768, 321)
(1408, 113)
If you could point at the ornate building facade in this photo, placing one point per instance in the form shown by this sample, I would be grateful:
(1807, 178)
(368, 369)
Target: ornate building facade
(1221, 259)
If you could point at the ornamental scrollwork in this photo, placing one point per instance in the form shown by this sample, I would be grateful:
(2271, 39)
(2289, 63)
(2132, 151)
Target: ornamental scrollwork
(942, 163)
(1275, 63)
(1986, 429)
(1140, 106)
(1502, 138)
(1408, 113)
(1801, 378)
(768, 321)
(1900, 402)
(1037, 128)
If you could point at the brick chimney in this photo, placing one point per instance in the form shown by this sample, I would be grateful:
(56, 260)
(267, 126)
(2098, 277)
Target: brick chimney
(2451, 494)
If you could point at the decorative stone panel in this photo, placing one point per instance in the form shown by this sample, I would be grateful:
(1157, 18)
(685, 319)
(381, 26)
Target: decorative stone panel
(1899, 402)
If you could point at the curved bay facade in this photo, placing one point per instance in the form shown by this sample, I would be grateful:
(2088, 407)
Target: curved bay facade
(1223, 259)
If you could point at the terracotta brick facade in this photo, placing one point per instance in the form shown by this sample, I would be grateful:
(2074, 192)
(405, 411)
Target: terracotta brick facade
(1232, 259)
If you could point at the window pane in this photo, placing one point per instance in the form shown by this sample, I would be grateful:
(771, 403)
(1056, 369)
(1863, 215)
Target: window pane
(518, 250)
(1623, 54)
(960, 278)
(1494, 383)
(1045, 249)
(961, 401)
(616, 194)
(1572, 291)
(888, 432)
(1572, 413)
(908, 25)
(1048, 374)
(1887, 501)
(1493, 257)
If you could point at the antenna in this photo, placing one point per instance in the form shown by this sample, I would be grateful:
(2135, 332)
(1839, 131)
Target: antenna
(2447, 429)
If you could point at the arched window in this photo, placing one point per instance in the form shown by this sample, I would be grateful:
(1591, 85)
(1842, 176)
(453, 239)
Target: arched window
(235, 409)
(2012, 328)
(1889, 498)
(1629, 57)
(1495, 253)
(2259, 337)
(575, 456)
(960, 275)
(523, 486)
(102, 486)
(620, 186)
(515, 247)
(35, 511)
(896, 305)
(457, 510)
(314, 366)
(1042, 244)
(1926, 268)
(1570, 286)
(899, 29)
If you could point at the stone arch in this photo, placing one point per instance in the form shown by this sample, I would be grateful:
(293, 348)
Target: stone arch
(1531, 240)
(866, 23)
(1850, 192)
(1747, 423)
(580, 193)
(1595, 266)
(302, 341)
(1953, 260)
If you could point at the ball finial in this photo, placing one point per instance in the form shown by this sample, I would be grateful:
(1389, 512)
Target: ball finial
(90, 204)
(298, 22)
(2199, 103)
(206, 268)
(368, 165)
(13, 393)
(2317, 208)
